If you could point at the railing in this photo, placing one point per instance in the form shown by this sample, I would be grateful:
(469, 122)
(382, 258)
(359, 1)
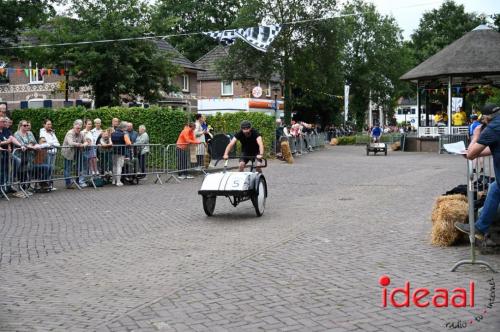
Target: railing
(438, 131)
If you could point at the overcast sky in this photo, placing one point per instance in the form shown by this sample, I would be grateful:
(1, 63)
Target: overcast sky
(409, 12)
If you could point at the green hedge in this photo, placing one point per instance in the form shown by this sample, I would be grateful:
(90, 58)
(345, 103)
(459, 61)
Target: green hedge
(346, 140)
(162, 124)
(230, 123)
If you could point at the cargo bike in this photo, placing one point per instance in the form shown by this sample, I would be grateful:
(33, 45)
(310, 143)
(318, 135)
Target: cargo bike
(238, 187)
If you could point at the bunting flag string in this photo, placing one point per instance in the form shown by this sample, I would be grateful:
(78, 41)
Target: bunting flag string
(457, 90)
(258, 37)
(11, 71)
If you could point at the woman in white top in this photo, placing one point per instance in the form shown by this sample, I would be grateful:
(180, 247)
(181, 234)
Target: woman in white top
(143, 149)
(199, 134)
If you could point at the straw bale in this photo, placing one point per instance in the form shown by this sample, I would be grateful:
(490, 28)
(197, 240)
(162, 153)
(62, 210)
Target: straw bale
(396, 146)
(286, 152)
(446, 212)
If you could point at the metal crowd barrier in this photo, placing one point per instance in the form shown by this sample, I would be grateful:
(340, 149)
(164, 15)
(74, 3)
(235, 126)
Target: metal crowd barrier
(447, 139)
(184, 158)
(37, 168)
(386, 138)
(476, 178)
(310, 142)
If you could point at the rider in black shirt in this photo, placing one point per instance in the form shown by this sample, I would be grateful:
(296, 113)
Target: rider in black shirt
(252, 146)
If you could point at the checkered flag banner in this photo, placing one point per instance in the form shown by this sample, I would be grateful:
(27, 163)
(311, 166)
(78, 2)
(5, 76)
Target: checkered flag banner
(259, 37)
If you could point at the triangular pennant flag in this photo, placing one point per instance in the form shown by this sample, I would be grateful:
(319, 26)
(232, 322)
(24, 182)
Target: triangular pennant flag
(18, 71)
(42, 71)
(49, 72)
(61, 72)
(2, 71)
(33, 72)
(56, 71)
(258, 37)
(27, 72)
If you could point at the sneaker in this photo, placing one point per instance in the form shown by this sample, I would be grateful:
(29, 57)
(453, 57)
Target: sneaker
(83, 185)
(119, 184)
(182, 177)
(53, 189)
(465, 228)
(189, 177)
(29, 193)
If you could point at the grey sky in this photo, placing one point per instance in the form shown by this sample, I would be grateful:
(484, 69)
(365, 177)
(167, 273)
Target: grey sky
(409, 12)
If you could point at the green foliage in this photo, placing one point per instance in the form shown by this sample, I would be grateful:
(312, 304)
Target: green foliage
(346, 140)
(230, 123)
(192, 16)
(135, 68)
(373, 58)
(16, 15)
(162, 124)
(440, 27)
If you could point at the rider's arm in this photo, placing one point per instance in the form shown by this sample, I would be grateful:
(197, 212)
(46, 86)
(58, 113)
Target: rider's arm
(261, 146)
(229, 147)
(477, 149)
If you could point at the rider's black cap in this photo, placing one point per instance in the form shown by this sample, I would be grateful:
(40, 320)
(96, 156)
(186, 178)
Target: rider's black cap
(490, 109)
(245, 124)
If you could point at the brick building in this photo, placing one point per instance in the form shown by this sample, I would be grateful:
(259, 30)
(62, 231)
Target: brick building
(248, 94)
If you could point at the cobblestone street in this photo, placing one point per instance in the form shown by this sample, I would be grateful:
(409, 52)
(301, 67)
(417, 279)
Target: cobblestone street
(146, 258)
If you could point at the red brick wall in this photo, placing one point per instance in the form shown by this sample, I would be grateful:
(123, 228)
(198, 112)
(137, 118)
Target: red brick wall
(212, 89)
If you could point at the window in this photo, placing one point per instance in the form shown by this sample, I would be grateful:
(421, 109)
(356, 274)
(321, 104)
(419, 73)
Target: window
(185, 83)
(35, 75)
(413, 111)
(400, 111)
(227, 88)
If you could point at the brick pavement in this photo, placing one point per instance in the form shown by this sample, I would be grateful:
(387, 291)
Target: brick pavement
(147, 259)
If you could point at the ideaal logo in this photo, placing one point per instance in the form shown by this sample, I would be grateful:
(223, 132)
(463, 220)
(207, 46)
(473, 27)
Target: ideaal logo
(423, 297)
(439, 298)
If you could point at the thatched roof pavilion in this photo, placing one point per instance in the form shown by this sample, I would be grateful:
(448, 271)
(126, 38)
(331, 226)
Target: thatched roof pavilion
(471, 60)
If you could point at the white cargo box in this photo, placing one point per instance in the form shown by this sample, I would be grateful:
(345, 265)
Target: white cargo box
(227, 182)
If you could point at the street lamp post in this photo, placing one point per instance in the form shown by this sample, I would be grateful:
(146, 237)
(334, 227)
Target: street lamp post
(67, 64)
(275, 91)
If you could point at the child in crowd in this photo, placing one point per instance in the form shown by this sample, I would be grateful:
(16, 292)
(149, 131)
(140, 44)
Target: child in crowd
(91, 156)
(105, 146)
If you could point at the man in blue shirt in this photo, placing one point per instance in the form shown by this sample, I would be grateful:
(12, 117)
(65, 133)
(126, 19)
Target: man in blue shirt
(376, 133)
(484, 143)
(474, 124)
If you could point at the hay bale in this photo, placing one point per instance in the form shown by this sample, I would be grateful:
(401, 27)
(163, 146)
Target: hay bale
(446, 212)
(334, 141)
(286, 152)
(396, 146)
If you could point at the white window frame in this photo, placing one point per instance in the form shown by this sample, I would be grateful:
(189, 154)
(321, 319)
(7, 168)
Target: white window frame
(185, 83)
(268, 90)
(36, 79)
(222, 88)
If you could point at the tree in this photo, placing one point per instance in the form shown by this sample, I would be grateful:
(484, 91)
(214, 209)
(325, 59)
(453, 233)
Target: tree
(188, 16)
(16, 15)
(114, 68)
(440, 27)
(374, 58)
(244, 61)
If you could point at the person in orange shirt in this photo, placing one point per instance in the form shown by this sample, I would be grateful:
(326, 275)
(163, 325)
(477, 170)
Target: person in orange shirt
(186, 137)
